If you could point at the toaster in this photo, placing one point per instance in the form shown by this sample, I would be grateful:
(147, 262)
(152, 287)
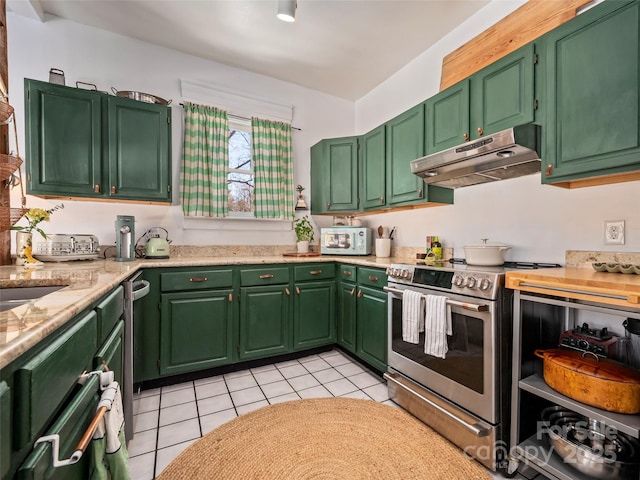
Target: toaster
(60, 247)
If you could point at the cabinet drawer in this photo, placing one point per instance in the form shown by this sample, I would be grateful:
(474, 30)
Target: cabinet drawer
(69, 425)
(5, 428)
(314, 272)
(109, 312)
(264, 276)
(44, 382)
(347, 273)
(196, 280)
(111, 353)
(374, 277)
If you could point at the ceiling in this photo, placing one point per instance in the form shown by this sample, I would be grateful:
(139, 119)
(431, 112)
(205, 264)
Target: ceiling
(341, 47)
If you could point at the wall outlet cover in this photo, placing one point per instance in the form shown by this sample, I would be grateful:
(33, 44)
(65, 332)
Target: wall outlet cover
(614, 232)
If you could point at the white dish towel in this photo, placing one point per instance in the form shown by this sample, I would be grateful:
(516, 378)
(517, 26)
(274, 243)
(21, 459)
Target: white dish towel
(437, 325)
(412, 316)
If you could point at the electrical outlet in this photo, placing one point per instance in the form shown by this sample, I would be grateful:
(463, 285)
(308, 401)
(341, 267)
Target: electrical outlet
(614, 232)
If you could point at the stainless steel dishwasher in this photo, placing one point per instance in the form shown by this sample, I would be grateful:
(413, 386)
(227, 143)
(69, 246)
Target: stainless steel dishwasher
(134, 289)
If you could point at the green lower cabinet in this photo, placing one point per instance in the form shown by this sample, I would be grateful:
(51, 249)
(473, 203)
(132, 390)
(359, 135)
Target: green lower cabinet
(372, 327)
(111, 353)
(346, 324)
(195, 330)
(264, 321)
(314, 314)
(593, 95)
(69, 425)
(5, 428)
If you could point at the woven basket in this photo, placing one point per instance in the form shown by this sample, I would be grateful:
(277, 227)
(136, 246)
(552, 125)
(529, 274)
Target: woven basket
(10, 216)
(6, 110)
(8, 165)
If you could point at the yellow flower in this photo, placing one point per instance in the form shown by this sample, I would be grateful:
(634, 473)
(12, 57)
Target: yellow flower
(36, 215)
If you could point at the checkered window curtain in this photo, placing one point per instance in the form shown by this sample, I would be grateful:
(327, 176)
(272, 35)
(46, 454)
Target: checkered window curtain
(205, 160)
(273, 169)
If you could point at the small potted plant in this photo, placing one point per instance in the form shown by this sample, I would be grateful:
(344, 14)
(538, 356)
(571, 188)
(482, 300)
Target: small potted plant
(304, 233)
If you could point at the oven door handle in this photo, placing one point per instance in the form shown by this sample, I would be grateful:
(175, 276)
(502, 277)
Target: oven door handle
(477, 430)
(467, 306)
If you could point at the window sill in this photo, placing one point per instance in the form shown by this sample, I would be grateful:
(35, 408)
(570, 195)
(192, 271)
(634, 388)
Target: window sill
(238, 224)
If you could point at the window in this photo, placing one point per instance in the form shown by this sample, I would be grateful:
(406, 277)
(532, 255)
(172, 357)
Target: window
(240, 180)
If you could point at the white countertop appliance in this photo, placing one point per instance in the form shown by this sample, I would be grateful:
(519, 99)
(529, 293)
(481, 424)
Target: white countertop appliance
(339, 240)
(62, 247)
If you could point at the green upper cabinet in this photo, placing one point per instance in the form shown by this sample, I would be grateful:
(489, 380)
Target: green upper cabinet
(405, 142)
(337, 185)
(447, 123)
(139, 158)
(64, 140)
(502, 95)
(593, 78)
(497, 97)
(86, 144)
(373, 168)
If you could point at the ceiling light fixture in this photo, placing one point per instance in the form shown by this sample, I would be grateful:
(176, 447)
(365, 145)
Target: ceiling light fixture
(287, 10)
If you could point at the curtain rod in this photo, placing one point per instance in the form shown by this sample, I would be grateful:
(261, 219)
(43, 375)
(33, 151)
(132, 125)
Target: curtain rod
(231, 115)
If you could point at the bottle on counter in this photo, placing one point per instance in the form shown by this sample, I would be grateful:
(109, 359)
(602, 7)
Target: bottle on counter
(436, 248)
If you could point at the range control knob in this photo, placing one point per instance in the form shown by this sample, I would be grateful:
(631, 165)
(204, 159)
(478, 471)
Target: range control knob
(471, 282)
(406, 274)
(485, 283)
(458, 281)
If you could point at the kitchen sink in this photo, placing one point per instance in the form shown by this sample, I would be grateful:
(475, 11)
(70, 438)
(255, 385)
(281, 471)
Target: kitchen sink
(14, 297)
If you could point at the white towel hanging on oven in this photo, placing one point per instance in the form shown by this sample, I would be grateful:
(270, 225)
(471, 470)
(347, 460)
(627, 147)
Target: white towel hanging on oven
(437, 325)
(412, 316)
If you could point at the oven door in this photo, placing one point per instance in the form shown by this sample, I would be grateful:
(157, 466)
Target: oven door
(468, 375)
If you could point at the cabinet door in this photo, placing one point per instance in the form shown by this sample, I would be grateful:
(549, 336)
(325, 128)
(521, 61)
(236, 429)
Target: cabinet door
(139, 150)
(264, 321)
(44, 382)
(593, 67)
(405, 142)
(63, 140)
(319, 181)
(341, 155)
(195, 330)
(346, 323)
(5, 428)
(373, 161)
(447, 120)
(372, 327)
(314, 314)
(502, 94)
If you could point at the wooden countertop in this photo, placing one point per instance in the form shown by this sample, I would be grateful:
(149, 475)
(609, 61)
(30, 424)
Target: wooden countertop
(85, 282)
(579, 283)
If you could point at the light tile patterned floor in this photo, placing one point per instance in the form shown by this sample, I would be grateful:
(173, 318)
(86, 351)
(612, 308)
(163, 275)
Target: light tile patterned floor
(169, 419)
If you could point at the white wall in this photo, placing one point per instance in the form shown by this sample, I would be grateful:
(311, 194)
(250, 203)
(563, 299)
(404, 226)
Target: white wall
(107, 60)
(539, 222)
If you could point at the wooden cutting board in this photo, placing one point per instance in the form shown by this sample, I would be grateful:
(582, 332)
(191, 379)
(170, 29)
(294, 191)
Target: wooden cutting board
(530, 21)
(308, 254)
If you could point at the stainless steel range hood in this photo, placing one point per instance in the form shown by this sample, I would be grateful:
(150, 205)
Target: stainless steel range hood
(507, 154)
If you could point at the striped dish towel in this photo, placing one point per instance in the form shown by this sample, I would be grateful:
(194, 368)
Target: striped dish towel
(437, 325)
(412, 316)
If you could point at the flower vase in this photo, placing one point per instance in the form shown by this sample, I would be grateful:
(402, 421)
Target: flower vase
(23, 249)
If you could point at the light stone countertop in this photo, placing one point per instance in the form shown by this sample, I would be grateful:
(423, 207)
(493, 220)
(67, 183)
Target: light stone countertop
(21, 328)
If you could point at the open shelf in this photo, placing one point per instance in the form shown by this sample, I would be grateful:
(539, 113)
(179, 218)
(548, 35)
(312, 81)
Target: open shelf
(539, 454)
(629, 424)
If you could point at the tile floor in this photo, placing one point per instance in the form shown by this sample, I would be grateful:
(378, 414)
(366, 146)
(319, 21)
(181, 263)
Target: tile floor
(169, 419)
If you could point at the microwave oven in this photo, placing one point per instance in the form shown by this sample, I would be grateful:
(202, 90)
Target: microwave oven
(345, 241)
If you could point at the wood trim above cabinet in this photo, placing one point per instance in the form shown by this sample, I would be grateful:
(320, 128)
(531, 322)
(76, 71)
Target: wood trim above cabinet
(530, 21)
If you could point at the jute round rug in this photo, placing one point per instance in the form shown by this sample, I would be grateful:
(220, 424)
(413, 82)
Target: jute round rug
(324, 438)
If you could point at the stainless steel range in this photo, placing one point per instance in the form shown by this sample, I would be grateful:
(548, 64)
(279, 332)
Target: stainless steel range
(464, 394)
